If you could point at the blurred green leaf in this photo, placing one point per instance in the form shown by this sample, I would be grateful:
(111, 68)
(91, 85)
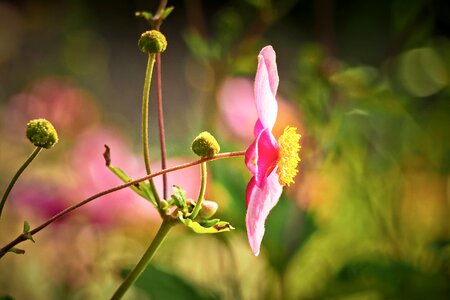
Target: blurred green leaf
(16, 251)
(159, 284)
(146, 15)
(167, 12)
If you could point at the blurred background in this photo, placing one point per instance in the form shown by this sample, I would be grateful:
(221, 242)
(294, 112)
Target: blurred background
(365, 82)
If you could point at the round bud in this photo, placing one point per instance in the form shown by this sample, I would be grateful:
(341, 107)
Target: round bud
(152, 41)
(42, 133)
(205, 145)
(209, 208)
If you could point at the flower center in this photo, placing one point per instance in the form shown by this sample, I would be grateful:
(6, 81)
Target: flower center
(288, 158)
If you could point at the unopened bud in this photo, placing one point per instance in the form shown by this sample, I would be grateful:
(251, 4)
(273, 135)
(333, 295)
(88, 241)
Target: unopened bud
(209, 208)
(42, 133)
(205, 145)
(152, 41)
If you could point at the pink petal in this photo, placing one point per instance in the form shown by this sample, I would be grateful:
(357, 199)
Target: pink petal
(270, 60)
(266, 84)
(260, 203)
(261, 156)
(250, 186)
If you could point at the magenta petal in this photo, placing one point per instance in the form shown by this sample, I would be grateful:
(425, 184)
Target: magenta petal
(266, 83)
(260, 203)
(267, 150)
(258, 128)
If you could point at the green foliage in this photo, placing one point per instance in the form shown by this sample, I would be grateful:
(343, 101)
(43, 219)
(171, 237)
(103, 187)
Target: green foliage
(178, 197)
(160, 284)
(210, 226)
(26, 231)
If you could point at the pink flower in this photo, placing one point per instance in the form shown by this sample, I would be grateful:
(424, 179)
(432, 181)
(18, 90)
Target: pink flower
(273, 163)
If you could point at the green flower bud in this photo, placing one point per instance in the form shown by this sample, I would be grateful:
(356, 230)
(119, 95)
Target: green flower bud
(42, 133)
(205, 145)
(152, 41)
(209, 208)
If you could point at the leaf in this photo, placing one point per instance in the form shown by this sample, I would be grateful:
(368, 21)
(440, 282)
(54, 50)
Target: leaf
(26, 231)
(16, 251)
(26, 227)
(209, 223)
(141, 188)
(179, 196)
(218, 226)
(144, 14)
(167, 12)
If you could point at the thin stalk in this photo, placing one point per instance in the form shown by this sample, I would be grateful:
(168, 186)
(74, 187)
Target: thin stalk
(145, 260)
(17, 175)
(162, 139)
(201, 194)
(145, 100)
(21, 237)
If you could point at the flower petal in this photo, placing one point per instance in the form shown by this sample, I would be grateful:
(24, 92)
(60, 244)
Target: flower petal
(261, 156)
(260, 203)
(266, 84)
(270, 60)
(267, 151)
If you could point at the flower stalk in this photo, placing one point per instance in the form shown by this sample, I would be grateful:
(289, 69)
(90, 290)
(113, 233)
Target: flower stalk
(16, 176)
(131, 278)
(145, 101)
(201, 194)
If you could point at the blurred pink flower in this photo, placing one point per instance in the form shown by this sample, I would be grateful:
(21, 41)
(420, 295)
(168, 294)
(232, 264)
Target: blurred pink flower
(39, 200)
(69, 108)
(93, 176)
(123, 206)
(272, 163)
(233, 93)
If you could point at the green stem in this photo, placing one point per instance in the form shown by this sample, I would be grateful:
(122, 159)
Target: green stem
(201, 194)
(145, 260)
(16, 176)
(145, 101)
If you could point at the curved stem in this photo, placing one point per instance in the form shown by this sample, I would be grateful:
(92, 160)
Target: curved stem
(162, 139)
(201, 194)
(145, 260)
(17, 175)
(22, 237)
(145, 100)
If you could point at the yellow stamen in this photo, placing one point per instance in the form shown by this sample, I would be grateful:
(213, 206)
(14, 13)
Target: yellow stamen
(288, 158)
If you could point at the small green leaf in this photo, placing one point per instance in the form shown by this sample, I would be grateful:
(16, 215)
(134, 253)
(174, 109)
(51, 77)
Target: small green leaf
(142, 188)
(145, 14)
(167, 12)
(219, 226)
(16, 250)
(179, 196)
(26, 231)
(26, 227)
